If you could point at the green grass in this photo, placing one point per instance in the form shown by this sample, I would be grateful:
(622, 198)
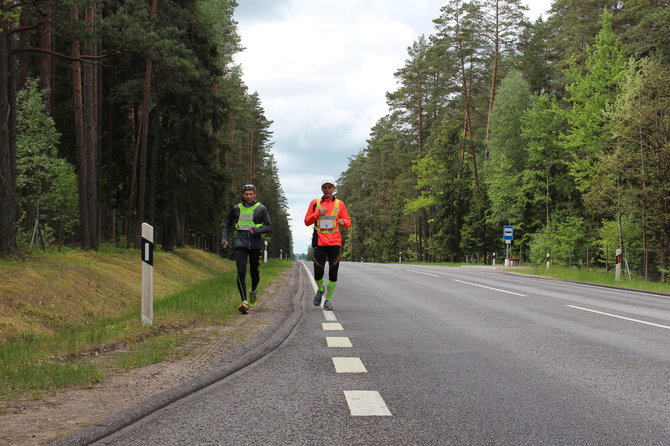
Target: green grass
(152, 351)
(575, 274)
(34, 364)
(594, 276)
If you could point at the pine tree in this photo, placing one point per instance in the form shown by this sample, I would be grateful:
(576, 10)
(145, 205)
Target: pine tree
(591, 92)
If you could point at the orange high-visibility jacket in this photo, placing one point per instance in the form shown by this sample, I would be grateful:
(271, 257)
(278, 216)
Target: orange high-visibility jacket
(328, 237)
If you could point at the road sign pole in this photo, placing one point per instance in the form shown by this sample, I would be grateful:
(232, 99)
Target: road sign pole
(147, 255)
(508, 236)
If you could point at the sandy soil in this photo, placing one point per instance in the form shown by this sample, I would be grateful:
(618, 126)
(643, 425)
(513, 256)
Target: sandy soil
(32, 422)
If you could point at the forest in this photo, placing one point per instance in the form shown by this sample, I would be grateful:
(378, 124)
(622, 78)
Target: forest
(115, 113)
(558, 127)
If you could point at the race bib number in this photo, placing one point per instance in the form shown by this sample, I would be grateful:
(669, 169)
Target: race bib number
(327, 222)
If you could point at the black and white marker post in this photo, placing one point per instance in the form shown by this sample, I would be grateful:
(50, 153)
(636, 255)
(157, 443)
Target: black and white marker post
(147, 275)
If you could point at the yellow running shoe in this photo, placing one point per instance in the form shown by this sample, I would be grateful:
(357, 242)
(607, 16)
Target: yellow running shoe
(253, 299)
(244, 307)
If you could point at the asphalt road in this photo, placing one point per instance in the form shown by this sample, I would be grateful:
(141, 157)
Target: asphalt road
(463, 356)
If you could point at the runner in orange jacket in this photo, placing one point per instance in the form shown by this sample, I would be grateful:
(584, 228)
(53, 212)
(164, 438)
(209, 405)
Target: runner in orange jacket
(328, 215)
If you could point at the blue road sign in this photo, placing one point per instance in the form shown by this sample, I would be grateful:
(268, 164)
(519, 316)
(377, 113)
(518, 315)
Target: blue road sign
(508, 233)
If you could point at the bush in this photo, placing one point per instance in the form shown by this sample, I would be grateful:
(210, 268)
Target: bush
(564, 239)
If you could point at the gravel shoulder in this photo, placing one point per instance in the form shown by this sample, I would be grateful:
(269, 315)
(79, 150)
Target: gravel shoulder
(29, 422)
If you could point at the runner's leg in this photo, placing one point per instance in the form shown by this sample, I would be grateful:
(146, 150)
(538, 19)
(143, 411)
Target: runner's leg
(241, 262)
(254, 267)
(320, 256)
(333, 267)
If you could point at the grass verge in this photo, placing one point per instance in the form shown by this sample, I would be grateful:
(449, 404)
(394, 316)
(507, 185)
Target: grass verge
(574, 274)
(598, 277)
(83, 351)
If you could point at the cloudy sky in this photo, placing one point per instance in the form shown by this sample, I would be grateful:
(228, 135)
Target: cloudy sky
(322, 69)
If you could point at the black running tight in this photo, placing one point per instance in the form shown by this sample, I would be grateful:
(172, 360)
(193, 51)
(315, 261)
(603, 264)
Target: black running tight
(254, 264)
(332, 255)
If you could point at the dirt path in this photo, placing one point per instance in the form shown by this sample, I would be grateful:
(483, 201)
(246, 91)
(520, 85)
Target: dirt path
(40, 422)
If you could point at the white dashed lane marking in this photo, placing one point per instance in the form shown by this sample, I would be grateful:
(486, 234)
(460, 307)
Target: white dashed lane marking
(366, 403)
(362, 403)
(421, 272)
(349, 365)
(490, 288)
(338, 341)
(332, 326)
(620, 317)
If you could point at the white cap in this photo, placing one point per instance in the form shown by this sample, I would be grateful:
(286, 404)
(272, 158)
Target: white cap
(328, 181)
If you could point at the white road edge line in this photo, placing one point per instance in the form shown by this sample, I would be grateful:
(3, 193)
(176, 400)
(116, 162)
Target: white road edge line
(620, 317)
(421, 272)
(489, 288)
(314, 287)
(366, 403)
(309, 273)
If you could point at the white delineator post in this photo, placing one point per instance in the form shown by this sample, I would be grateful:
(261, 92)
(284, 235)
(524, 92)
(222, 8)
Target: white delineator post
(147, 255)
(617, 268)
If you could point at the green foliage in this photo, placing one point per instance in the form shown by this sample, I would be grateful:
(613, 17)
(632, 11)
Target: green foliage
(10, 12)
(207, 132)
(218, 16)
(536, 58)
(634, 177)
(43, 179)
(648, 33)
(508, 154)
(609, 239)
(545, 182)
(592, 89)
(476, 235)
(379, 175)
(577, 141)
(564, 238)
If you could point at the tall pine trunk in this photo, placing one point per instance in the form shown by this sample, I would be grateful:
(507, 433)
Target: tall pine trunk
(7, 143)
(142, 146)
(91, 133)
(494, 71)
(468, 141)
(80, 141)
(47, 62)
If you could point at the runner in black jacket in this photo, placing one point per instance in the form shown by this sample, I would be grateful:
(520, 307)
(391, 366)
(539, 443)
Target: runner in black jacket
(249, 219)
